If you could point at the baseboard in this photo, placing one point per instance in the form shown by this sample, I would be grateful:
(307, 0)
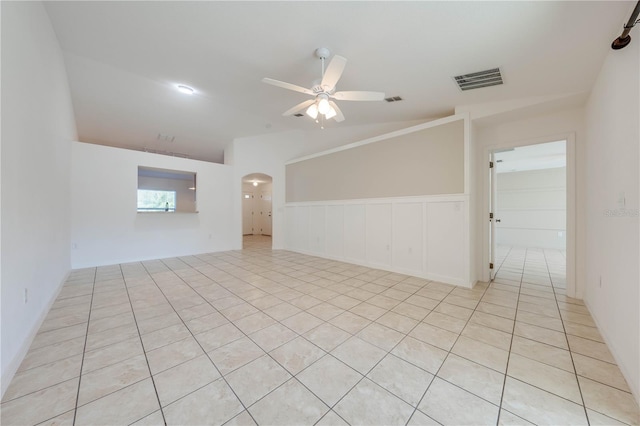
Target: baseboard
(14, 364)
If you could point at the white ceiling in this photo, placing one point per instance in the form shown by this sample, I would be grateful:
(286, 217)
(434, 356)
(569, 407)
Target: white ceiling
(125, 58)
(532, 157)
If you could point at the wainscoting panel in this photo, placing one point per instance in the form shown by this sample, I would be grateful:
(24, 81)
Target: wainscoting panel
(420, 236)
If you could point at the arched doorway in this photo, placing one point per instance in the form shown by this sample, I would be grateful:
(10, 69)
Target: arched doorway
(257, 222)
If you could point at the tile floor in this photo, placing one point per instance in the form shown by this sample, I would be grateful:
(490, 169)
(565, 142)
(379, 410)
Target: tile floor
(274, 338)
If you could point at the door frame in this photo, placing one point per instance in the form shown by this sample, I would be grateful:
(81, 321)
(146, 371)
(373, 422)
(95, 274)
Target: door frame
(574, 289)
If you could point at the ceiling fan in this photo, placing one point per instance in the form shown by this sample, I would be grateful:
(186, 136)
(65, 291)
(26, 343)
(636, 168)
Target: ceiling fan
(324, 91)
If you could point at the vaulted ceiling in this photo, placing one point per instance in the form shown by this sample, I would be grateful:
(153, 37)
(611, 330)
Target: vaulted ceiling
(124, 60)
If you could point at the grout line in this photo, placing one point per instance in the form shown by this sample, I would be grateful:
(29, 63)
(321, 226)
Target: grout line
(155, 389)
(75, 411)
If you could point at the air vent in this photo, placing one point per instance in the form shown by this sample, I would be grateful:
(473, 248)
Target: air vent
(165, 138)
(479, 79)
(393, 99)
(298, 115)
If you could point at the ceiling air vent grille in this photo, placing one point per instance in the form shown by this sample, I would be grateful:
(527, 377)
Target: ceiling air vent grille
(393, 99)
(479, 79)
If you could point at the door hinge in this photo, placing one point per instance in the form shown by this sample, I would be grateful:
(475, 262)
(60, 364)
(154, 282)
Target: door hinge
(490, 265)
(490, 215)
(491, 164)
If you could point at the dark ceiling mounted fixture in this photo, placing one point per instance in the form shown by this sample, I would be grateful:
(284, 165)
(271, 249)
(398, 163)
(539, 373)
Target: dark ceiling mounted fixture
(625, 38)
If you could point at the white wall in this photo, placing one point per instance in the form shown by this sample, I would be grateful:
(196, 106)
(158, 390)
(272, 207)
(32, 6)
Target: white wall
(106, 228)
(613, 136)
(37, 127)
(521, 129)
(532, 208)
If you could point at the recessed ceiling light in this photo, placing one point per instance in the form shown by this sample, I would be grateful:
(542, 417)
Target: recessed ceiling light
(185, 89)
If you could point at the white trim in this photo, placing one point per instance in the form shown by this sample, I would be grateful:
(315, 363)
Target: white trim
(573, 289)
(401, 132)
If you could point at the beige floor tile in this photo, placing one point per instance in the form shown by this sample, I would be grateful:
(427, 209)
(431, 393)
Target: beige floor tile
(173, 354)
(455, 311)
(490, 336)
(402, 379)
(540, 407)
(212, 404)
(302, 322)
(57, 336)
(542, 352)
(108, 337)
(297, 355)
(219, 336)
(236, 312)
(358, 354)
(205, 322)
(332, 419)
(590, 348)
(344, 302)
(290, 404)
(243, 381)
(435, 336)
(497, 310)
(446, 322)
(609, 401)
(330, 379)
(368, 311)
(185, 378)
(368, 403)
(42, 377)
(383, 337)
(55, 352)
(599, 419)
(305, 302)
(600, 371)
(420, 419)
(398, 322)
(465, 302)
(546, 377)
(543, 335)
(242, 419)
(112, 354)
(254, 322)
(510, 419)
(325, 311)
(412, 311)
(41, 405)
(154, 419)
(327, 336)
(421, 354)
(133, 403)
(540, 320)
(350, 322)
(584, 319)
(492, 321)
(481, 381)
(273, 336)
(583, 331)
(481, 353)
(282, 311)
(235, 354)
(448, 404)
(101, 382)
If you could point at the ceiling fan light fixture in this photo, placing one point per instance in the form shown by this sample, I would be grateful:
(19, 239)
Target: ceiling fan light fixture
(185, 89)
(331, 113)
(312, 111)
(323, 106)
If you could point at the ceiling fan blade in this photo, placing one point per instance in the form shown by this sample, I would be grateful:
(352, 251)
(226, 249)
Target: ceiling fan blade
(339, 116)
(299, 107)
(333, 72)
(285, 85)
(359, 96)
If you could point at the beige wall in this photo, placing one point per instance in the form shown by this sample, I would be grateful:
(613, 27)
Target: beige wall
(425, 162)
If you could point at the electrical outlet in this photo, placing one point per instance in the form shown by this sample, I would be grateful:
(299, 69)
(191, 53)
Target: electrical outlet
(26, 295)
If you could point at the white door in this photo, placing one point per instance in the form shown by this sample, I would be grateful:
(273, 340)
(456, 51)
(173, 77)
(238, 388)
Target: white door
(247, 213)
(493, 205)
(265, 213)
